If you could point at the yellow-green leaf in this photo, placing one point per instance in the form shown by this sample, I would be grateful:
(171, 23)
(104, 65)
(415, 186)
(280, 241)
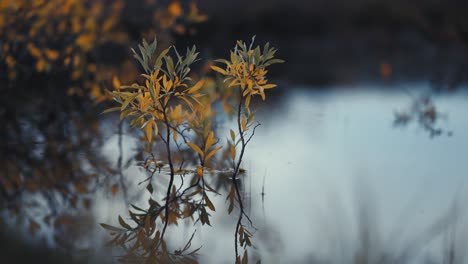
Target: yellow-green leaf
(233, 135)
(112, 109)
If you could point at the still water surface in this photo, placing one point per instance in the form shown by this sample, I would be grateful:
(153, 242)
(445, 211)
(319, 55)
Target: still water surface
(338, 177)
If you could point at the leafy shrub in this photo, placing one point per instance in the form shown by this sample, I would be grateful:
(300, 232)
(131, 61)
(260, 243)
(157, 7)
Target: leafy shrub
(172, 109)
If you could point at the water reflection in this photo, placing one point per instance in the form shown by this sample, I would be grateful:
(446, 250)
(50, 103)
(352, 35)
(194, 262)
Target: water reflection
(341, 184)
(329, 180)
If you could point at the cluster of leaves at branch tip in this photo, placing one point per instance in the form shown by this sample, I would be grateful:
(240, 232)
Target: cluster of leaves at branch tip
(167, 104)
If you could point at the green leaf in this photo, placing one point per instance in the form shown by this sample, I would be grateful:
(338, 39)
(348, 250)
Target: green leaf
(169, 65)
(158, 62)
(112, 109)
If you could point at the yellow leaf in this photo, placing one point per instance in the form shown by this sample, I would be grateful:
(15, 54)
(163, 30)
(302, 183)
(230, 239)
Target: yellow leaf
(196, 87)
(196, 148)
(40, 65)
(155, 127)
(233, 135)
(116, 82)
(175, 9)
(200, 171)
(209, 141)
(174, 135)
(149, 131)
(234, 83)
(51, 54)
(269, 86)
(262, 94)
(34, 51)
(247, 101)
(249, 84)
(212, 153)
(233, 152)
(85, 41)
(218, 69)
(114, 189)
(243, 123)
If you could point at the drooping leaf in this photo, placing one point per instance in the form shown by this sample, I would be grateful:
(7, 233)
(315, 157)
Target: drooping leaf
(123, 224)
(209, 203)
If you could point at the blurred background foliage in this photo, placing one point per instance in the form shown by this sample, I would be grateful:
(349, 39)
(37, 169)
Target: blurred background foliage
(57, 59)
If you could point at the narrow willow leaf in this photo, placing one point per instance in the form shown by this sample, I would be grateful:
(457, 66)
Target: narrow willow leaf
(112, 228)
(218, 69)
(210, 140)
(209, 203)
(196, 148)
(169, 65)
(158, 63)
(123, 224)
(150, 188)
(234, 83)
(149, 132)
(187, 102)
(155, 128)
(212, 153)
(233, 152)
(244, 123)
(116, 82)
(233, 135)
(125, 113)
(247, 101)
(273, 61)
(112, 109)
(196, 87)
(128, 101)
(269, 86)
(245, 258)
(250, 118)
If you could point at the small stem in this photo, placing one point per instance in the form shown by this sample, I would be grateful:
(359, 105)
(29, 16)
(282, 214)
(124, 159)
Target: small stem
(171, 166)
(119, 164)
(236, 171)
